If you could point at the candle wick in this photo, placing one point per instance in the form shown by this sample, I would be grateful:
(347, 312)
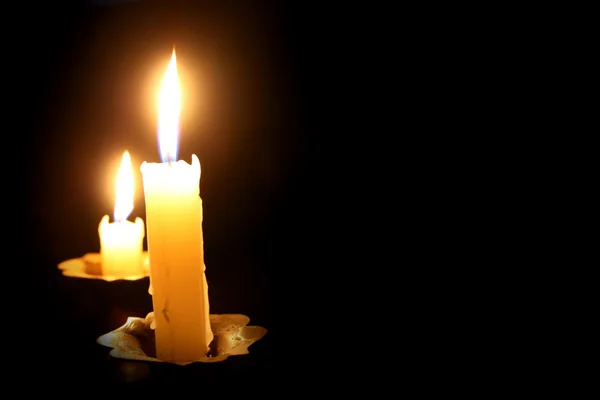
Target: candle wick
(164, 311)
(169, 159)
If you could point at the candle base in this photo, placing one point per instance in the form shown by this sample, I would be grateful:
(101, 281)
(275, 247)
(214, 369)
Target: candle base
(135, 339)
(90, 267)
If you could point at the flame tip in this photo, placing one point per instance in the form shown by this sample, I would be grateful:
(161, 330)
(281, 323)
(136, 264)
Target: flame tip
(168, 112)
(125, 189)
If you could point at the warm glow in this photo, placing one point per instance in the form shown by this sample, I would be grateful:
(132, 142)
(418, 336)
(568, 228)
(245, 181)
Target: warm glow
(124, 202)
(168, 113)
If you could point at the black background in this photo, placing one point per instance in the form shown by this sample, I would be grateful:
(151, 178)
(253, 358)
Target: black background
(335, 216)
(82, 77)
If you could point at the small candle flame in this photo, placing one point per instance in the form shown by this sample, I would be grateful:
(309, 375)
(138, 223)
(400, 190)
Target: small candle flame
(168, 113)
(124, 200)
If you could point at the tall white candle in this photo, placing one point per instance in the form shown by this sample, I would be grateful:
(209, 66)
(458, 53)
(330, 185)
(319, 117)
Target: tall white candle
(175, 241)
(121, 242)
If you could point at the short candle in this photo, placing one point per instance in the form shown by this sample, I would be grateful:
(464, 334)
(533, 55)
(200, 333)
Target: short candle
(121, 242)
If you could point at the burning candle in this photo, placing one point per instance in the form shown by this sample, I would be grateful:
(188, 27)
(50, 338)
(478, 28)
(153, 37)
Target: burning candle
(175, 242)
(121, 242)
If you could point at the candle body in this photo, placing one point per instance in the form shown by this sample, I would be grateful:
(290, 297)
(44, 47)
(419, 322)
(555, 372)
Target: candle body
(121, 247)
(176, 250)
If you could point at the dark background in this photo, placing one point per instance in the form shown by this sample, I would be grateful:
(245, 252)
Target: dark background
(329, 138)
(82, 80)
(325, 135)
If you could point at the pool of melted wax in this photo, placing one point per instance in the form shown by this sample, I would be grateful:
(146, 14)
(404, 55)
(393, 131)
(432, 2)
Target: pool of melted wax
(135, 339)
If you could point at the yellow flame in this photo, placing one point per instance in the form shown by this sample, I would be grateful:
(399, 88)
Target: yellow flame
(168, 112)
(124, 200)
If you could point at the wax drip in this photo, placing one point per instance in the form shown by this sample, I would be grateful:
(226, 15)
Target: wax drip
(164, 310)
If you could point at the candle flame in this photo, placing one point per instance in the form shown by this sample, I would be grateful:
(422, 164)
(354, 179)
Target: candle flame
(168, 113)
(124, 200)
